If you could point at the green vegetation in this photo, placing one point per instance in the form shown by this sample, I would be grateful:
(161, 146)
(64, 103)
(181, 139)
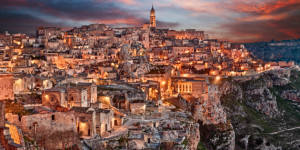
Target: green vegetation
(200, 146)
(15, 108)
(185, 142)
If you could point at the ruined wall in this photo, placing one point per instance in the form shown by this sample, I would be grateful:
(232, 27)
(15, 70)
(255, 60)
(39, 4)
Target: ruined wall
(6, 86)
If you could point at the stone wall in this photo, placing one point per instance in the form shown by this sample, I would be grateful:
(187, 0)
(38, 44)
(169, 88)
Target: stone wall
(50, 122)
(6, 86)
(2, 114)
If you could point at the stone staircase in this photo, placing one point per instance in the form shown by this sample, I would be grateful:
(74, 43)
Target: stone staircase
(6, 142)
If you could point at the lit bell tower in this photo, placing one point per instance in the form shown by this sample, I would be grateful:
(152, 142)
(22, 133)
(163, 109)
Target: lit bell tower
(152, 18)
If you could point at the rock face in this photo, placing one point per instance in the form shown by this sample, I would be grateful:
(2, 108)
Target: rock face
(209, 111)
(255, 93)
(265, 101)
(216, 131)
(293, 95)
(257, 109)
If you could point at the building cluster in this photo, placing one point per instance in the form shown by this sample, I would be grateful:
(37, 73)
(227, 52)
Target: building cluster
(96, 81)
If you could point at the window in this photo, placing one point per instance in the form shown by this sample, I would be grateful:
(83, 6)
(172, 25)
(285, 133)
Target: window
(53, 117)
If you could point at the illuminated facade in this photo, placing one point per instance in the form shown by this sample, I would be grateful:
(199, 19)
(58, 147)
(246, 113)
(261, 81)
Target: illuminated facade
(152, 18)
(195, 87)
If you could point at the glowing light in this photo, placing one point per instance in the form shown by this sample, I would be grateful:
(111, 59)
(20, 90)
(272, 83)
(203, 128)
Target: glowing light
(163, 82)
(185, 75)
(232, 73)
(218, 78)
(82, 125)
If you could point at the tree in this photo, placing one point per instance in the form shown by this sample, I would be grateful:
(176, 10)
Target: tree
(67, 138)
(49, 137)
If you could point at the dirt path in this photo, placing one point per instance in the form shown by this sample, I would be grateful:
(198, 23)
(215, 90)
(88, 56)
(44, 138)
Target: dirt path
(285, 130)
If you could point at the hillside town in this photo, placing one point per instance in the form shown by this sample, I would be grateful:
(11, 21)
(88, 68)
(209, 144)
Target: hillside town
(102, 87)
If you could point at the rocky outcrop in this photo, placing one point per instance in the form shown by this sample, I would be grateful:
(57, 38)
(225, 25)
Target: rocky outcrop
(180, 102)
(263, 101)
(193, 137)
(254, 93)
(244, 142)
(218, 136)
(216, 131)
(258, 107)
(293, 95)
(209, 111)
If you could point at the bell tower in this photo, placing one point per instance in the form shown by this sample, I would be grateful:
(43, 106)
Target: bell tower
(152, 18)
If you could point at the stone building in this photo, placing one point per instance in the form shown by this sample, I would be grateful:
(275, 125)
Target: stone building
(138, 107)
(48, 32)
(195, 86)
(187, 34)
(70, 95)
(77, 96)
(91, 91)
(91, 121)
(54, 97)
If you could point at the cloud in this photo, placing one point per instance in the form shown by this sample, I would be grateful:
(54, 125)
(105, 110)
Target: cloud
(66, 12)
(164, 24)
(268, 20)
(248, 21)
(20, 23)
(234, 20)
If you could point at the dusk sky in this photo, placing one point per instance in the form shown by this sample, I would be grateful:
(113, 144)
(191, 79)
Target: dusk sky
(233, 20)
